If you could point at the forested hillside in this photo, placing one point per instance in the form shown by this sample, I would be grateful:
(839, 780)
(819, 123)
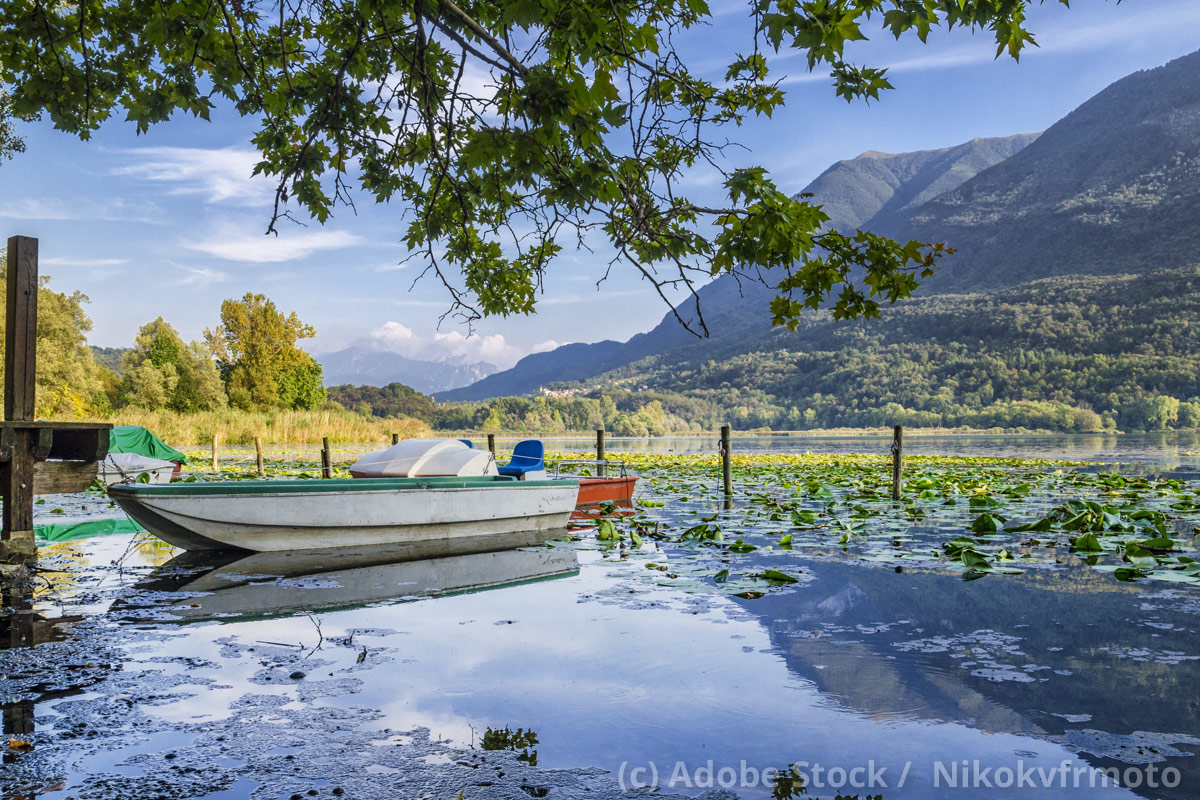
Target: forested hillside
(1095, 348)
(1113, 187)
(1070, 354)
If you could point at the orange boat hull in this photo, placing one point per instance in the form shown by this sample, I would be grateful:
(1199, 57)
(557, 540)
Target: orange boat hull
(595, 493)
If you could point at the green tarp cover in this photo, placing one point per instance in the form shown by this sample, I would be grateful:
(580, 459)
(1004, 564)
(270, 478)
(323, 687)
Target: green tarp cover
(136, 439)
(66, 531)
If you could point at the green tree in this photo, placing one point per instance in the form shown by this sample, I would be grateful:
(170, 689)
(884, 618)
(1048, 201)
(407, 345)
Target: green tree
(69, 382)
(1155, 413)
(302, 386)
(10, 142)
(255, 345)
(592, 120)
(1189, 415)
(163, 372)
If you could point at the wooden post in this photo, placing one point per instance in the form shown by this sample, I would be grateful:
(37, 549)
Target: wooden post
(492, 443)
(601, 467)
(26, 445)
(326, 459)
(726, 465)
(897, 467)
(258, 455)
(20, 383)
(395, 438)
(20, 334)
(215, 467)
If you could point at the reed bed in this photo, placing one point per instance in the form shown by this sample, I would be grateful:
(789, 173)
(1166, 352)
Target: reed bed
(273, 427)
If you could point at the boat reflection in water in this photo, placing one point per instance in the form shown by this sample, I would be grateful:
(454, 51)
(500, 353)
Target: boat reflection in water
(236, 584)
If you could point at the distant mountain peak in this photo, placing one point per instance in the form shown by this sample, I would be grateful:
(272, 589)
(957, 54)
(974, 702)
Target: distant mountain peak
(366, 362)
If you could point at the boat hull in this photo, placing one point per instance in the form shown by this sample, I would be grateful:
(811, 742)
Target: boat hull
(271, 516)
(595, 491)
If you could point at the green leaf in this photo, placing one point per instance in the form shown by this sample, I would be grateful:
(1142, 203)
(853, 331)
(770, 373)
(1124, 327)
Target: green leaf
(776, 576)
(607, 532)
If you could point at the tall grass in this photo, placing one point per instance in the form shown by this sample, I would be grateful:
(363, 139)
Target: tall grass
(274, 427)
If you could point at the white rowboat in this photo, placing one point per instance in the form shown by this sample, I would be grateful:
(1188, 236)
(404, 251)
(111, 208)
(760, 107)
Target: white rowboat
(269, 516)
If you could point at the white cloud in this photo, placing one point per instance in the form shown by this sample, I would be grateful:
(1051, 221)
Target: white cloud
(396, 337)
(221, 175)
(289, 245)
(200, 276)
(61, 261)
(49, 208)
(547, 346)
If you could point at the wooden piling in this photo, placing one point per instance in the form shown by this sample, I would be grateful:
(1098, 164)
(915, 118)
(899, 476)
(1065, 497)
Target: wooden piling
(326, 459)
(897, 466)
(492, 443)
(35, 457)
(726, 464)
(395, 438)
(258, 460)
(20, 382)
(214, 453)
(601, 467)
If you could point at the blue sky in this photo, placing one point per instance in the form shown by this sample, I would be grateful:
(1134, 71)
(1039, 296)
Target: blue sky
(170, 223)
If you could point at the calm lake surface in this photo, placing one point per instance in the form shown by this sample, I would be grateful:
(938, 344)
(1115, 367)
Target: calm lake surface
(248, 677)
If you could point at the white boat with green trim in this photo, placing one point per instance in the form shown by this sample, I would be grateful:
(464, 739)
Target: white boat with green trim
(268, 516)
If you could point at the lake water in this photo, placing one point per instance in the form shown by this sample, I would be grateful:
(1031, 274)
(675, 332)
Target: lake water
(232, 677)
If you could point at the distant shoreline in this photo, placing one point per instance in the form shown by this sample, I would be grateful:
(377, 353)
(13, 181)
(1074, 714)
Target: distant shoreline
(832, 433)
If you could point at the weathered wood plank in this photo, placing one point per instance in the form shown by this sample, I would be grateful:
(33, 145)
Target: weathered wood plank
(59, 477)
(20, 334)
(16, 481)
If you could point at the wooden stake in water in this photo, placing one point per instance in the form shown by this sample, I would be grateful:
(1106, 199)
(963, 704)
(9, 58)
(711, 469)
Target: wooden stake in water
(258, 455)
(326, 459)
(726, 464)
(492, 443)
(897, 467)
(395, 438)
(600, 465)
(214, 453)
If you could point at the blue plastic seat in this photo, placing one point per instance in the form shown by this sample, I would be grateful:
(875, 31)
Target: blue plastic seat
(528, 456)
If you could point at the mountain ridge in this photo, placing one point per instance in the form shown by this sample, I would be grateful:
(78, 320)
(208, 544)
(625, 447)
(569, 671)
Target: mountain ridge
(363, 364)
(737, 309)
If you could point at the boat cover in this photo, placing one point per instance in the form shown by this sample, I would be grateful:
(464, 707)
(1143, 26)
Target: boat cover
(121, 467)
(136, 439)
(424, 458)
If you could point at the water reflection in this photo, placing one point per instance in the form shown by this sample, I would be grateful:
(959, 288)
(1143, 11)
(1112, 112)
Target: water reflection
(858, 665)
(233, 584)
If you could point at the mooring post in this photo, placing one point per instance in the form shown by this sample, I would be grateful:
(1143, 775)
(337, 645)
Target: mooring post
(726, 466)
(395, 438)
(215, 466)
(258, 455)
(601, 467)
(326, 459)
(492, 443)
(20, 383)
(897, 467)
